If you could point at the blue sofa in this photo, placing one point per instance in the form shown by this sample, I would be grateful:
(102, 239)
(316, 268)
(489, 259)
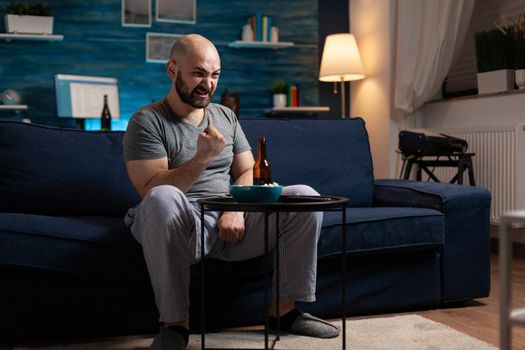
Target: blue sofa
(69, 266)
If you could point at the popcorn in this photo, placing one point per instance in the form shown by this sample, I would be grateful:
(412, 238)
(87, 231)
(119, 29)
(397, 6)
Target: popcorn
(273, 184)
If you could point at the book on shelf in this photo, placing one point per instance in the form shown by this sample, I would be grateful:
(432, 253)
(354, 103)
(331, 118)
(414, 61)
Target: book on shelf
(258, 22)
(253, 24)
(292, 96)
(264, 27)
(269, 29)
(261, 27)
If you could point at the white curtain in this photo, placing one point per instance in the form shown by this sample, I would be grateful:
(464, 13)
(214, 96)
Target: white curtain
(430, 34)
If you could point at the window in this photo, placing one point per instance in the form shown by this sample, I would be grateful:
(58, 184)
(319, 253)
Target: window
(461, 79)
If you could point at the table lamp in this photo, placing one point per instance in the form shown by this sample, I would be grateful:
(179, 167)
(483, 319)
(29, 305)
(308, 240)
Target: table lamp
(341, 62)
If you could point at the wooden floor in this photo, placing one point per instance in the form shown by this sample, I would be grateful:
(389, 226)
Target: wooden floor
(480, 318)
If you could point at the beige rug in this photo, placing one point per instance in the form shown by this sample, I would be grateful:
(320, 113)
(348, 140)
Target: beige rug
(398, 332)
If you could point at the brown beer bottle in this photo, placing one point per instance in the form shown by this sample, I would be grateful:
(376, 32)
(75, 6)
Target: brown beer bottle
(105, 116)
(262, 172)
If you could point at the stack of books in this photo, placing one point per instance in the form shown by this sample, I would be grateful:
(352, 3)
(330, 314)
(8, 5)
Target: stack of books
(292, 96)
(261, 26)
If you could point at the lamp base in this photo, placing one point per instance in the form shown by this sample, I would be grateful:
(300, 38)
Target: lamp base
(343, 95)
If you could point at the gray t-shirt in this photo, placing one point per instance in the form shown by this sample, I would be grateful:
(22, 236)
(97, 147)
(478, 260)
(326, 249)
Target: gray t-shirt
(155, 132)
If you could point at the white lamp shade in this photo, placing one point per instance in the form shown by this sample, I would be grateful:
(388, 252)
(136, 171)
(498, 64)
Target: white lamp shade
(341, 59)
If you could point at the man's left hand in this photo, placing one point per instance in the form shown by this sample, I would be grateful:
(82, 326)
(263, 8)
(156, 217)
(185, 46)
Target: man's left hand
(231, 226)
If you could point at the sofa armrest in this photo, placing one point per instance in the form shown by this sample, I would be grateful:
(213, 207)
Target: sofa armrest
(465, 256)
(433, 195)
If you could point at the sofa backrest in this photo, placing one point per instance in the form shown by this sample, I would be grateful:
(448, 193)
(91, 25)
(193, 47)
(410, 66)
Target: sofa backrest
(52, 171)
(332, 156)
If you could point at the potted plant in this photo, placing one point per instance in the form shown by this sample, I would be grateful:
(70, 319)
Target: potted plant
(519, 49)
(495, 60)
(28, 18)
(279, 89)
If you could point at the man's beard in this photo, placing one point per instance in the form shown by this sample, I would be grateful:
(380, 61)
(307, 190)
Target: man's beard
(190, 97)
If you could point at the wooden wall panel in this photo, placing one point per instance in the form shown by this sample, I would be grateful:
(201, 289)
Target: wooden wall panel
(95, 43)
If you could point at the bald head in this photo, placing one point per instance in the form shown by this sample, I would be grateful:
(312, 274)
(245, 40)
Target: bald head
(193, 46)
(194, 68)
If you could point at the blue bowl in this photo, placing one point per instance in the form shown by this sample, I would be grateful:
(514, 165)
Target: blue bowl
(256, 193)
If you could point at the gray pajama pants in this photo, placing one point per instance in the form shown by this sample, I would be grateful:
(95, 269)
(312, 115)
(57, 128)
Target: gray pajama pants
(168, 227)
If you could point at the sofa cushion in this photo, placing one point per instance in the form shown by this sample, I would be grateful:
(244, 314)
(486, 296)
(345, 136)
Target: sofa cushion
(332, 156)
(371, 230)
(98, 247)
(52, 171)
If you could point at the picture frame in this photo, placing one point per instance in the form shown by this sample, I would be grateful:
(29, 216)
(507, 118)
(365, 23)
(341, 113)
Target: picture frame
(158, 46)
(176, 11)
(136, 13)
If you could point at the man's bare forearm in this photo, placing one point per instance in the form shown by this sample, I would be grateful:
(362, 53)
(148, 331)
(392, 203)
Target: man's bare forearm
(182, 177)
(245, 178)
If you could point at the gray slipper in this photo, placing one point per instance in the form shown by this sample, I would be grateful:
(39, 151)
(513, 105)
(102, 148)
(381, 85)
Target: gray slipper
(168, 340)
(312, 326)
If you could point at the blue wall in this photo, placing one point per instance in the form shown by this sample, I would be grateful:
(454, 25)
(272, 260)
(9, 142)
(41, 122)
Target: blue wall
(95, 43)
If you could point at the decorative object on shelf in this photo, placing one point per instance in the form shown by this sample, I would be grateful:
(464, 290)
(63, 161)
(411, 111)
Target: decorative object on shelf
(518, 26)
(28, 18)
(341, 62)
(176, 11)
(232, 100)
(279, 90)
(274, 35)
(495, 60)
(247, 33)
(136, 13)
(11, 97)
(261, 28)
(292, 96)
(10, 102)
(158, 46)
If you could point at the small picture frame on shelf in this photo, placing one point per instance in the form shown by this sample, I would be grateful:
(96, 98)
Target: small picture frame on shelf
(176, 11)
(158, 46)
(136, 13)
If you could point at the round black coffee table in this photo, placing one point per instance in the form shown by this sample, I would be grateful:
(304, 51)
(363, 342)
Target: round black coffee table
(284, 204)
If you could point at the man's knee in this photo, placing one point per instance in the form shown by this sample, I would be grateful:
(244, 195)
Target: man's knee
(163, 195)
(300, 190)
(165, 201)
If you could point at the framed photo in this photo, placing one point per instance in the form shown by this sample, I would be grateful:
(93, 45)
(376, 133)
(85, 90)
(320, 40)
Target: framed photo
(158, 46)
(136, 13)
(177, 11)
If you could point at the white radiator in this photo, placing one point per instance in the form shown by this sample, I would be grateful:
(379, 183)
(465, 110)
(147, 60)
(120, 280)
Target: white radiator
(499, 164)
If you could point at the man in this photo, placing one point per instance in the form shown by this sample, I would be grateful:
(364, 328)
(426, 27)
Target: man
(184, 148)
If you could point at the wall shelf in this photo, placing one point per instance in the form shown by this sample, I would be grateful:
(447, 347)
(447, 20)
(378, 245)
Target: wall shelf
(240, 44)
(31, 37)
(304, 110)
(301, 109)
(13, 108)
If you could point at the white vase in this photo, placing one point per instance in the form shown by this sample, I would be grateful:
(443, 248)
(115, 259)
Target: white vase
(496, 81)
(274, 35)
(247, 33)
(279, 100)
(29, 24)
(519, 75)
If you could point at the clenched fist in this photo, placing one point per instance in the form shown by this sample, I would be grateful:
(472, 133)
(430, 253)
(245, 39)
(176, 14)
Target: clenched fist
(210, 142)
(231, 226)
